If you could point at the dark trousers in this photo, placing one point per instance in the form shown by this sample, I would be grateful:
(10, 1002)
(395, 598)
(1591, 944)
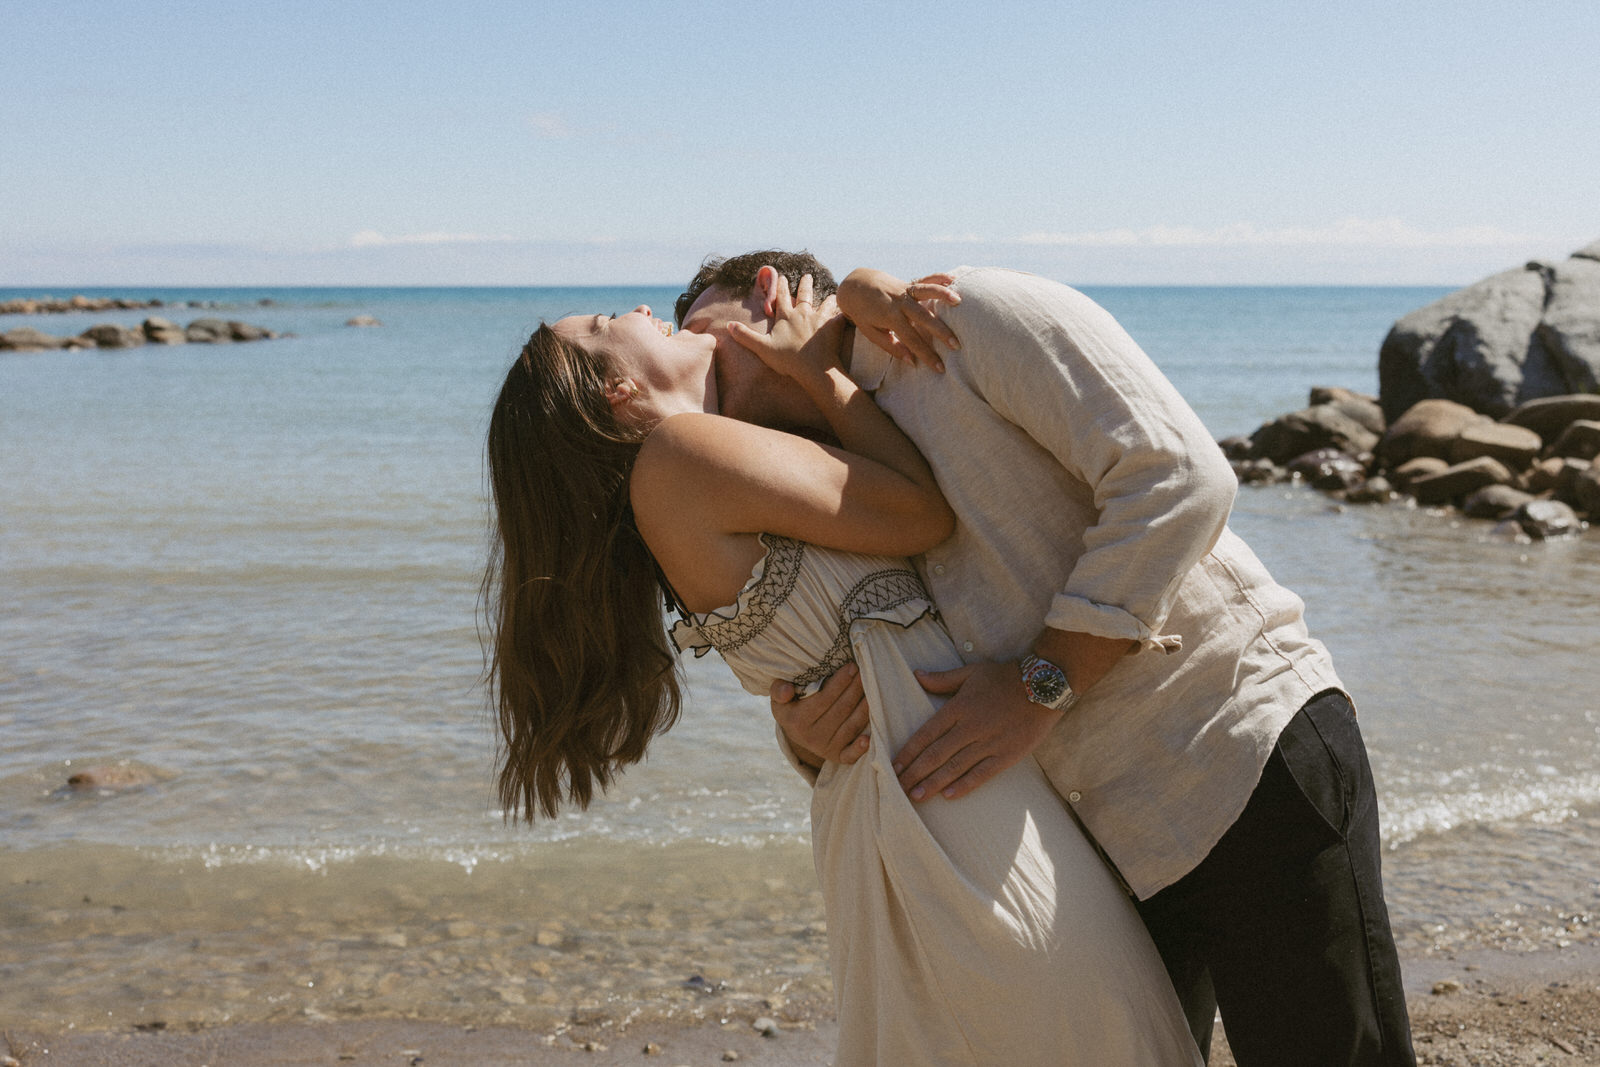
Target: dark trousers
(1283, 925)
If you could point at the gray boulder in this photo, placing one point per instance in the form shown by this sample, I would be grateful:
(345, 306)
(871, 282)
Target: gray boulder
(1515, 336)
(1570, 327)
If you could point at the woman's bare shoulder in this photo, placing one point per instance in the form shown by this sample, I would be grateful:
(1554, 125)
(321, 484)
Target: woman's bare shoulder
(677, 455)
(702, 445)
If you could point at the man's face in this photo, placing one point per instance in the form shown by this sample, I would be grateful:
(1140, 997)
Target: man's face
(748, 389)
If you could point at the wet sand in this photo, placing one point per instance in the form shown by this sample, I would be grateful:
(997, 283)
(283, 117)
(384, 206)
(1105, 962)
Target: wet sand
(1483, 1007)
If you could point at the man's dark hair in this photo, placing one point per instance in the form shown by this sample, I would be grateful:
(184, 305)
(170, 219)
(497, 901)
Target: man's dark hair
(738, 275)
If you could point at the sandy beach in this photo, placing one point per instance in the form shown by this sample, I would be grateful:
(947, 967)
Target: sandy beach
(1487, 1007)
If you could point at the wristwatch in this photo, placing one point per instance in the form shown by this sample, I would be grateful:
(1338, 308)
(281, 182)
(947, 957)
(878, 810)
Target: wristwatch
(1047, 684)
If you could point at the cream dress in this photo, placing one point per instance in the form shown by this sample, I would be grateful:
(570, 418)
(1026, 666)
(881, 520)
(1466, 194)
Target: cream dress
(984, 930)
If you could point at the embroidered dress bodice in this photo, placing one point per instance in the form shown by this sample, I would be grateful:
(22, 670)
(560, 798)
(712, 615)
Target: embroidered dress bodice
(803, 600)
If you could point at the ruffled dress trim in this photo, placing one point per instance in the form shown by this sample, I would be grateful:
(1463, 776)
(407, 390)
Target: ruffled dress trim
(769, 585)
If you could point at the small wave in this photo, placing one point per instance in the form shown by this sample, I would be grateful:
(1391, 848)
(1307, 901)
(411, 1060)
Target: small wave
(1552, 800)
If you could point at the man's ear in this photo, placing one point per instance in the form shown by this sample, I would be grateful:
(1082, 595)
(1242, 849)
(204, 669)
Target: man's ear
(767, 281)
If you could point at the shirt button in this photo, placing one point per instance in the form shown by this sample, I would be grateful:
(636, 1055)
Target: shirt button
(938, 568)
(1074, 796)
(966, 646)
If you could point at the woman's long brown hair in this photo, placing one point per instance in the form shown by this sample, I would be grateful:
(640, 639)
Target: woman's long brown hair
(579, 668)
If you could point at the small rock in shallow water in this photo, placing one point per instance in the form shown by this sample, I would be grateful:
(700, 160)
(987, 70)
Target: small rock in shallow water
(765, 1026)
(1548, 520)
(1445, 987)
(112, 776)
(1375, 490)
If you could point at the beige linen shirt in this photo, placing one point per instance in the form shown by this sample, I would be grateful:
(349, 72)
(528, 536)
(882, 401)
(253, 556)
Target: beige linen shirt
(1089, 497)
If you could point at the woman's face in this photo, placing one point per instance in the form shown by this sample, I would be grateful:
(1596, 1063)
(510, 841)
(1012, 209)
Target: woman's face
(672, 370)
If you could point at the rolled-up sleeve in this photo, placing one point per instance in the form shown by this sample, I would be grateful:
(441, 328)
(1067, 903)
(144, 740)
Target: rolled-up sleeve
(1061, 369)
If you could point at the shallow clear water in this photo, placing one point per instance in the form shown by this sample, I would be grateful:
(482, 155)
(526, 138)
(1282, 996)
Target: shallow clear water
(252, 571)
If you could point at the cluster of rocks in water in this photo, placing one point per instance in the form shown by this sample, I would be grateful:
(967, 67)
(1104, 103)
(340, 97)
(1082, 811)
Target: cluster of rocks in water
(50, 305)
(1489, 402)
(1536, 469)
(154, 331)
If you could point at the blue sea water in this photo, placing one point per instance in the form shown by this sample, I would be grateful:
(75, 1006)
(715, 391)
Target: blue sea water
(252, 571)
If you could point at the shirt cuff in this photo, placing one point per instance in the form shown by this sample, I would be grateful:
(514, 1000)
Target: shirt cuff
(1074, 614)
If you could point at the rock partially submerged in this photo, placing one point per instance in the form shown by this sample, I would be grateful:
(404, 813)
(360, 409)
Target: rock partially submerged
(1520, 335)
(116, 777)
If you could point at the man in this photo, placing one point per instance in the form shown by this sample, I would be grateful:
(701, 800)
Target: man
(1116, 630)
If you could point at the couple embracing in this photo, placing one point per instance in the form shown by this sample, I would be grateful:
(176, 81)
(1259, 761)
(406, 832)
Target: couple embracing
(1081, 775)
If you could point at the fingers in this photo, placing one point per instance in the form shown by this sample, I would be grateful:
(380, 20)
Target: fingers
(856, 750)
(883, 339)
(922, 318)
(944, 682)
(803, 294)
(913, 332)
(852, 741)
(980, 773)
(943, 759)
(782, 693)
(832, 722)
(754, 340)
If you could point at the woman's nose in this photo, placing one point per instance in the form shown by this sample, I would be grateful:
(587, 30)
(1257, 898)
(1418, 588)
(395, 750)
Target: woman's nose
(643, 309)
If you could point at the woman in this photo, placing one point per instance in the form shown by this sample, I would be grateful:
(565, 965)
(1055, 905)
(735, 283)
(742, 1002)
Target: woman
(977, 931)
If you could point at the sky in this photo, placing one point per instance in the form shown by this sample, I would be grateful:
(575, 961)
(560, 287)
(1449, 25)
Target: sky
(353, 142)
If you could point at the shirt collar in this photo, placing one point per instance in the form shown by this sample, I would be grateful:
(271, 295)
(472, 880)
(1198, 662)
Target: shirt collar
(869, 364)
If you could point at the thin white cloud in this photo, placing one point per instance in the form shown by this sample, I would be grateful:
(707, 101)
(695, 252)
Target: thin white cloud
(549, 124)
(374, 239)
(1353, 232)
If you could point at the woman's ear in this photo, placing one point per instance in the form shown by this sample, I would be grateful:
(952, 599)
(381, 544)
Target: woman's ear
(620, 392)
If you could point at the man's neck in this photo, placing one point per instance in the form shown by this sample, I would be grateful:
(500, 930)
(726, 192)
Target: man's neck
(847, 344)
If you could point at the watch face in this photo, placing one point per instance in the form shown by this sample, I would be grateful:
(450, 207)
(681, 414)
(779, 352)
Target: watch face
(1045, 682)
